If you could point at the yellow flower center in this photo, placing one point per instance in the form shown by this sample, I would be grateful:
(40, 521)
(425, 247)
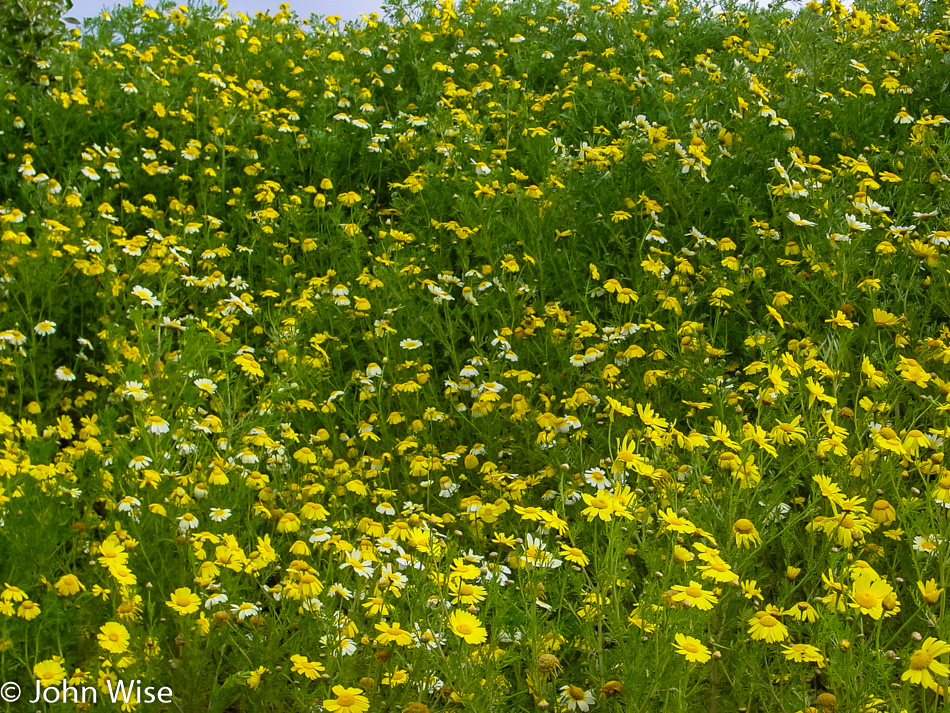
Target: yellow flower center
(744, 527)
(694, 591)
(768, 621)
(345, 700)
(920, 660)
(575, 693)
(865, 599)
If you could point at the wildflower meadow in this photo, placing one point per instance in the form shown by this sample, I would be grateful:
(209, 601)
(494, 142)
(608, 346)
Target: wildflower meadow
(478, 356)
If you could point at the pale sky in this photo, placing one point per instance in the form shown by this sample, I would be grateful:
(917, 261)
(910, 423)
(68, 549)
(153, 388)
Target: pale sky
(347, 9)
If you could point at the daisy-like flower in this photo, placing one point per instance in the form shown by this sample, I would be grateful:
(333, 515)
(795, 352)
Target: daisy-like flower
(145, 294)
(206, 386)
(597, 477)
(50, 672)
(803, 653)
(926, 545)
(305, 667)
(69, 584)
(321, 534)
(600, 506)
(924, 664)
(467, 627)
(410, 344)
(114, 637)
(45, 328)
(692, 649)
(868, 593)
(765, 626)
(220, 514)
(576, 698)
(695, 595)
(675, 523)
(215, 599)
(348, 700)
(798, 220)
(574, 555)
(187, 522)
(462, 592)
(140, 462)
(393, 633)
(354, 560)
(930, 591)
(184, 601)
(156, 425)
(855, 224)
(803, 611)
(244, 610)
(128, 504)
(65, 374)
(745, 533)
(134, 390)
(28, 610)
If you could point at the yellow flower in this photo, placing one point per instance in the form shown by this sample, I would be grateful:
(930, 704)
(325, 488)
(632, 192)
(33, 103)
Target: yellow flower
(393, 633)
(692, 649)
(467, 627)
(803, 611)
(765, 626)
(868, 593)
(348, 700)
(12, 594)
(883, 513)
(600, 505)
(254, 677)
(463, 592)
(718, 571)
(923, 662)
(184, 601)
(574, 555)
(930, 591)
(305, 667)
(28, 610)
(745, 533)
(806, 653)
(50, 672)
(69, 584)
(349, 198)
(674, 523)
(913, 372)
(114, 638)
(695, 595)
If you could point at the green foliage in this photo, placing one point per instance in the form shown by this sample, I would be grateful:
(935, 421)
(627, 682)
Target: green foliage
(30, 29)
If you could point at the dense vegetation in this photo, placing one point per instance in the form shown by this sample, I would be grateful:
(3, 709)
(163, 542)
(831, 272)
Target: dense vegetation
(489, 356)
